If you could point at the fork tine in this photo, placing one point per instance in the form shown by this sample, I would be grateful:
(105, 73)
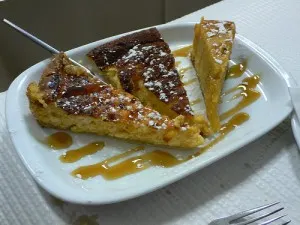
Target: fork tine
(272, 220)
(249, 212)
(260, 217)
(287, 222)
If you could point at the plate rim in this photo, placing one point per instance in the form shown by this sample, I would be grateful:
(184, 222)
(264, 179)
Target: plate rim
(296, 128)
(286, 77)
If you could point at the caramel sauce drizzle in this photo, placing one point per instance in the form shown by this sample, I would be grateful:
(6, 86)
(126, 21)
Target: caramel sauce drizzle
(196, 101)
(76, 154)
(59, 140)
(182, 52)
(103, 168)
(237, 120)
(248, 82)
(237, 70)
(128, 166)
(155, 158)
(248, 94)
(190, 82)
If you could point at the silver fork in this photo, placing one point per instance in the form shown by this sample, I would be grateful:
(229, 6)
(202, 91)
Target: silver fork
(46, 46)
(233, 219)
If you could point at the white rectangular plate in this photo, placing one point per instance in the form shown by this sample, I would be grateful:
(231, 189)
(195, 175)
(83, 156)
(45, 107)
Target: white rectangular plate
(269, 110)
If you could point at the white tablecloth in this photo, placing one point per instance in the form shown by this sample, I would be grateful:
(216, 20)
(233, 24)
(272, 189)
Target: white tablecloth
(267, 170)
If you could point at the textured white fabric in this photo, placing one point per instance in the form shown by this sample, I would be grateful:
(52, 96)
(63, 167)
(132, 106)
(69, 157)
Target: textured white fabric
(266, 170)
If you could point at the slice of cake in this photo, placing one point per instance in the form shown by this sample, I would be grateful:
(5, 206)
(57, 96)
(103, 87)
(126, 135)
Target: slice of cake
(142, 64)
(211, 52)
(68, 98)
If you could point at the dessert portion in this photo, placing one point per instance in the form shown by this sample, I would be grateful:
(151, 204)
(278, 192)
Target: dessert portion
(211, 52)
(142, 64)
(66, 97)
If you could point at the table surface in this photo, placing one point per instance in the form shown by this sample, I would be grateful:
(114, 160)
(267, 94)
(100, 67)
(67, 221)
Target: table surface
(264, 171)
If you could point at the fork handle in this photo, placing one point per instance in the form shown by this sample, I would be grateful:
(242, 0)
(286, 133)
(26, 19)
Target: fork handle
(31, 37)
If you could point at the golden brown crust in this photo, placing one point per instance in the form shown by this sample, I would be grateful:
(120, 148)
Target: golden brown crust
(108, 53)
(212, 48)
(67, 98)
(143, 58)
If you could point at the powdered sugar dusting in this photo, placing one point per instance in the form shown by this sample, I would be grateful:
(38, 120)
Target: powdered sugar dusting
(219, 61)
(80, 95)
(156, 66)
(216, 28)
(221, 27)
(102, 101)
(220, 36)
(109, 105)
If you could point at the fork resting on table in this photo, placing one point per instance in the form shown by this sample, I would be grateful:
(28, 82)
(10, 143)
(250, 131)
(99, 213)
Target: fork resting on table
(239, 218)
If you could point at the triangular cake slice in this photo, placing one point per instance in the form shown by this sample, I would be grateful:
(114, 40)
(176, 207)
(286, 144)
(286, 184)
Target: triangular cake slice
(211, 52)
(68, 98)
(142, 64)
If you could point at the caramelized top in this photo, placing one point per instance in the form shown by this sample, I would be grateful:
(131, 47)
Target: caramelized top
(145, 56)
(74, 91)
